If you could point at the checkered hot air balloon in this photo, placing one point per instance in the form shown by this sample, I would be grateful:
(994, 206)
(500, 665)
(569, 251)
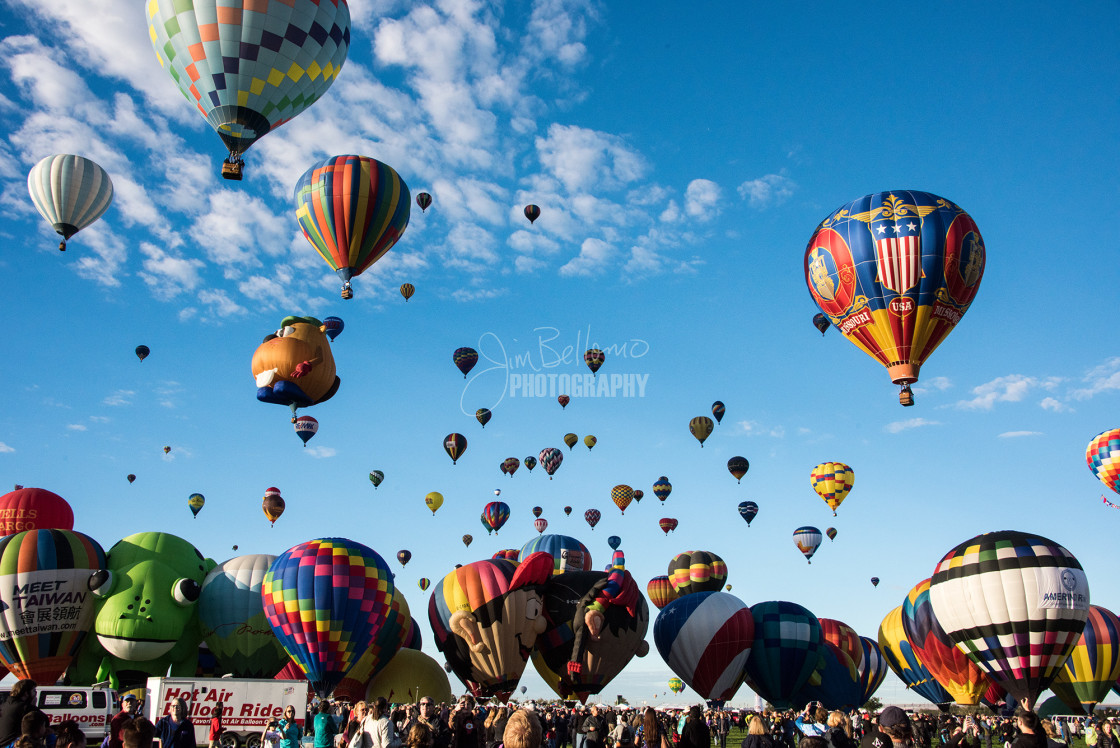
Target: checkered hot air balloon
(896, 272)
(832, 481)
(1103, 457)
(950, 666)
(788, 648)
(622, 495)
(1016, 603)
(465, 359)
(326, 600)
(249, 70)
(706, 639)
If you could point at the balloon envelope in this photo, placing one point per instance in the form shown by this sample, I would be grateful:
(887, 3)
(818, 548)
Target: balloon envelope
(661, 591)
(326, 599)
(34, 509)
(41, 632)
(697, 571)
(1016, 603)
(903, 661)
(568, 554)
(748, 510)
(234, 625)
(701, 427)
(662, 488)
(706, 639)
(465, 359)
(1094, 665)
(375, 477)
(408, 677)
(872, 669)
(142, 352)
(434, 501)
(788, 648)
(718, 409)
(1103, 457)
(495, 514)
(832, 481)
(807, 539)
(71, 192)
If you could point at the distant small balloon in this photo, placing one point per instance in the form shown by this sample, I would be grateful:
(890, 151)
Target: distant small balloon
(404, 556)
(131, 477)
(568, 511)
(407, 289)
(142, 352)
(662, 488)
(738, 467)
(196, 501)
(594, 358)
(590, 441)
(530, 462)
(831, 533)
(874, 581)
(532, 212)
(614, 542)
(166, 450)
(570, 440)
(540, 524)
(537, 511)
(718, 410)
(667, 524)
(591, 516)
(467, 540)
(497, 492)
(821, 323)
(376, 477)
(235, 548)
(701, 428)
(639, 494)
(423, 583)
(333, 327)
(483, 415)
(465, 359)
(454, 445)
(563, 400)
(423, 200)
(306, 427)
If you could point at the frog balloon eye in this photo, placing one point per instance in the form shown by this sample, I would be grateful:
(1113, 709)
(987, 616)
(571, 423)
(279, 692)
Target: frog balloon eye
(101, 582)
(186, 592)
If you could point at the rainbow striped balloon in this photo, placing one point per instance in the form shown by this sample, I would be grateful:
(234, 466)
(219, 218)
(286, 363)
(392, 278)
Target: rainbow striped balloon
(1093, 666)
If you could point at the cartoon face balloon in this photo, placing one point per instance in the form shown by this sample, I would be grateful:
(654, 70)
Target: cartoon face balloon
(295, 366)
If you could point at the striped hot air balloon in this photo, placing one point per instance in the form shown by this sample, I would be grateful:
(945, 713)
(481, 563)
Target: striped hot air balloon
(71, 192)
(661, 591)
(1094, 665)
(568, 554)
(706, 639)
(904, 662)
(1016, 603)
(872, 669)
(832, 481)
(697, 571)
(807, 539)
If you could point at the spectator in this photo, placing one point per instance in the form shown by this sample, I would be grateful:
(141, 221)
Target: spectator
(127, 712)
(138, 733)
(175, 729)
(21, 700)
(696, 733)
(522, 730)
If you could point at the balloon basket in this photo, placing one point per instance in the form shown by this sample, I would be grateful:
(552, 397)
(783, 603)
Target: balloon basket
(62, 246)
(232, 170)
(906, 396)
(348, 293)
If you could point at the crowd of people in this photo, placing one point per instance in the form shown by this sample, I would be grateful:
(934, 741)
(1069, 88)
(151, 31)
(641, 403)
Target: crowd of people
(467, 724)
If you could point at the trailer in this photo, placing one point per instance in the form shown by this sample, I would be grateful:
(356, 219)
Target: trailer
(249, 703)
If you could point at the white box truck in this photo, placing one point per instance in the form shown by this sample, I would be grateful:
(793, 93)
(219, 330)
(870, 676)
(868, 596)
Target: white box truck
(249, 704)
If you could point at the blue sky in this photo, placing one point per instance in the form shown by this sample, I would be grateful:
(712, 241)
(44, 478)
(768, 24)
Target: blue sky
(681, 161)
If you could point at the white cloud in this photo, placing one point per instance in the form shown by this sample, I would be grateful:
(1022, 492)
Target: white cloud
(527, 265)
(1057, 406)
(1102, 378)
(236, 226)
(42, 76)
(321, 452)
(166, 275)
(772, 189)
(4, 448)
(557, 29)
(76, 427)
(1010, 389)
(583, 159)
(671, 214)
(594, 255)
(702, 198)
(643, 261)
(1017, 434)
(475, 294)
(754, 428)
(120, 397)
(468, 199)
(911, 423)
(470, 247)
(220, 303)
(100, 419)
(529, 243)
(932, 383)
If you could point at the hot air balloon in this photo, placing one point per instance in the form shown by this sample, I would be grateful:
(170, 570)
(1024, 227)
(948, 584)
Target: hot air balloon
(622, 495)
(423, 583)
(423, 200)
(40, 633)
(843, 637)
(486, 617)
(614, 542)
(131, 477)
(404, 556)
(467, 540)
(166, 450)
(788, 648)
(333, 327)
(34, 509)
(563, 400)
(510, 464)
(661, 591)
(738, 467)
(352, 210)
(872, 669)
(483, 416)
(231, 615)
(273, 504)
(598, 623)
(568, 554)
(376, 477)
(896, 272)
(551, 457)
(407, 290)
(567, 511)
(283, 60)
(676, 685)
(196, 501)
(748, 510)
(326, 600)
(395, 632)
(454, 445)
(494, 515)
(697, 571)
(1094, 665)
(540, 525)
(701, 428)
(510, 554)
(530, 463)
(594, 358)
(874, 581)
(831, 533)
(821, 323)
(951, 667)
(591, 516)
(832, 481)
(407, 677)
(1103, 457)
(294, 366)
(532, 212)
(306, 427)
(465, 359)
(706, 639)
(718, 409)
(838, 686)
(638, 494)
(667, 524)
(142, 352)
(807, 539)
(434, 501)
(662, 488)
(71, 192)
(537, 511)
(570, 440)
(497, 492)
(901, 658)
(589, 441)
(1036, 598)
